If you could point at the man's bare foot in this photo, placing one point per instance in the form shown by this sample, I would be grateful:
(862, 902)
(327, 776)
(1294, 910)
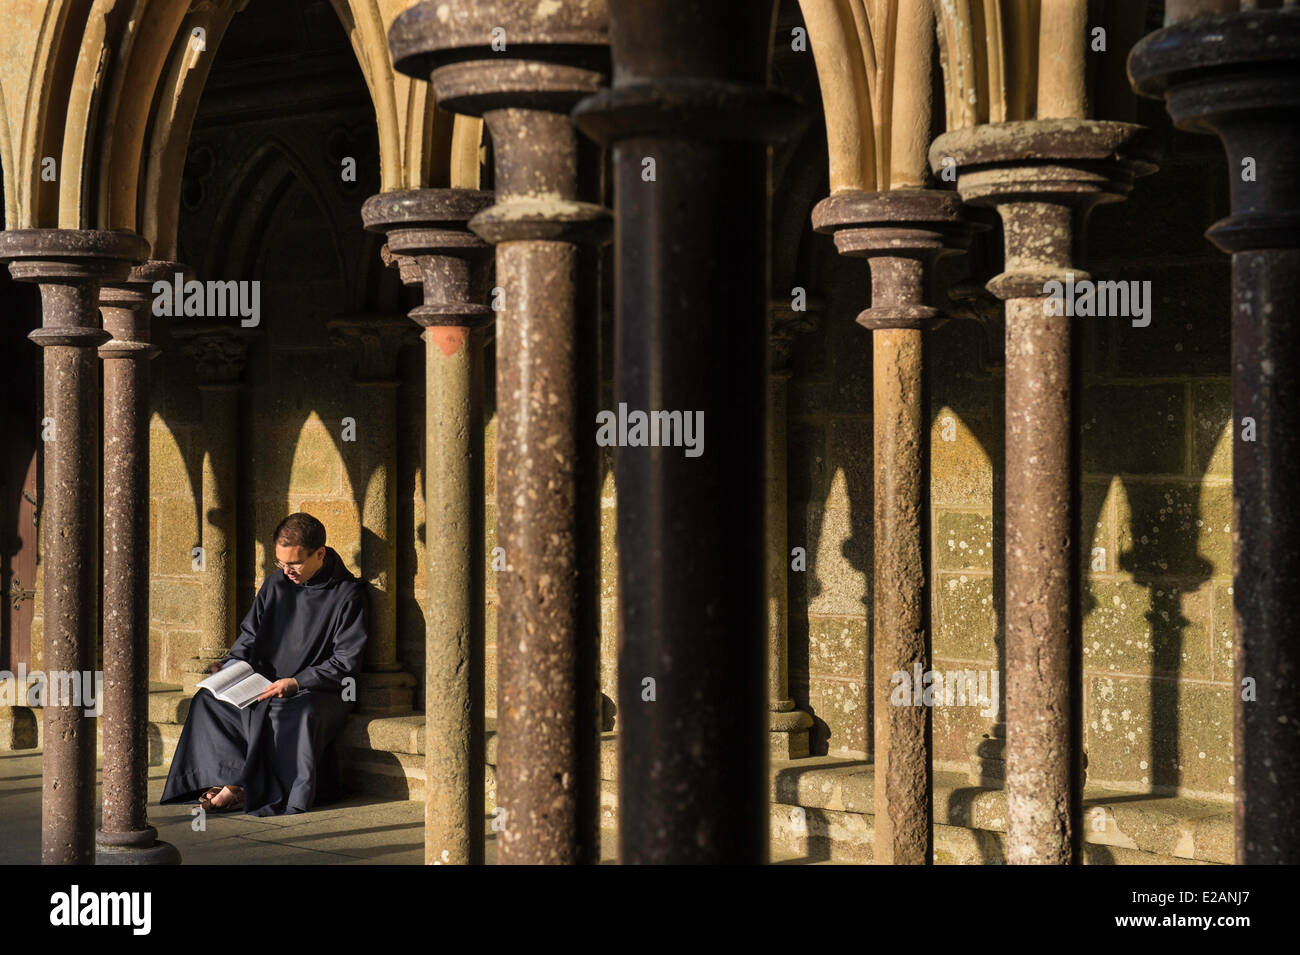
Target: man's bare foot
(231, 797)
(223, 797)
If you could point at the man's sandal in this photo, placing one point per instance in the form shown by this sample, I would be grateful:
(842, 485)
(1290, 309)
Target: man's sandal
(208, 800)
(236, 800)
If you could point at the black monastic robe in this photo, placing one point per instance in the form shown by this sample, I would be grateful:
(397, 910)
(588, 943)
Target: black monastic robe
(277, 749)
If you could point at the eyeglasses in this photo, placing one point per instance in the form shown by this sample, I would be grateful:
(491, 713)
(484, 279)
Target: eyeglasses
(296, 566)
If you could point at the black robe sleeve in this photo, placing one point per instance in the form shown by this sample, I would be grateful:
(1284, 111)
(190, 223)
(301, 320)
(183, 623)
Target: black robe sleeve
(347, 642)
(243, 647)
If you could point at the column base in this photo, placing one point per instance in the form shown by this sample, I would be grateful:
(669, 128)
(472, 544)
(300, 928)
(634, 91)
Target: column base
(789, 734)
(385, 694)
(18, 728)
(140, 847)
(988, 758)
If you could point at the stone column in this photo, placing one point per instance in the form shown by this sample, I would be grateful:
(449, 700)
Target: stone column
(1236, 77)
(789, 726)
(219, 353)
(688, 117)
(427, 230)
(375, 341)
(547, 390)
(69, 266)
(902, 233)
(1043, 177)
(125, 836)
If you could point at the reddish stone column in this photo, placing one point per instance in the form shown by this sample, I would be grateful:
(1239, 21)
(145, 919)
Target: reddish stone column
(1237, 76)
(902, 233)
(547, 388)
(125, 836)
(428, 232)
(1043, 177)
(689, 118)
(70, 265)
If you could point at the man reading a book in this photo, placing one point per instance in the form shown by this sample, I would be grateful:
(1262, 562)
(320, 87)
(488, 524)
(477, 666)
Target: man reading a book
(305, 634)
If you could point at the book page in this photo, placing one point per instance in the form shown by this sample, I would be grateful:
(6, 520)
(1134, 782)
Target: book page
(226, 677)
(246, 690)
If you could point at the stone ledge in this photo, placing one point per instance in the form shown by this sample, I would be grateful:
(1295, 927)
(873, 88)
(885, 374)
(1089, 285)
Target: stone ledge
(822, 806)
(836, 797)
(1175, 827)
(827, 835)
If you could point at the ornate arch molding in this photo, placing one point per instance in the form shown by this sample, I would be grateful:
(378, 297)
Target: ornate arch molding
(36, 77)
(251, 203)
(1002, 60)
(110, 88)
(418, 145)
(1008, 60)
(873, 66)
(175, 105)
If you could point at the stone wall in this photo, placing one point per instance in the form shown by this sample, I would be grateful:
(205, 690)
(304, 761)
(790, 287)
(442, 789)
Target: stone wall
(1155, 488)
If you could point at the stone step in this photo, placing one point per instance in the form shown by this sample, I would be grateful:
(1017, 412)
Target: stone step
(836, 797)
(826, 835)
(822, 806)
(1163, 827)
(167, 703)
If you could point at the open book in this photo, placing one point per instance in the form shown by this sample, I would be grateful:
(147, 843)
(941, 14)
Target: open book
(237, 684)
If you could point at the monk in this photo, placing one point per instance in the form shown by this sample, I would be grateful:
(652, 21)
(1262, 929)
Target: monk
(306, 632)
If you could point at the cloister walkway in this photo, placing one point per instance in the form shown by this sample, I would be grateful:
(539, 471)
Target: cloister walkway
(361, 830)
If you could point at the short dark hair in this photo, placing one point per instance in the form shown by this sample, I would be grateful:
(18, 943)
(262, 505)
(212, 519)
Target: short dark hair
(300, 530)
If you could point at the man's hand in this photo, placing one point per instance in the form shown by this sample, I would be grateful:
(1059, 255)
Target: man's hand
(281, 689)
(215, 668)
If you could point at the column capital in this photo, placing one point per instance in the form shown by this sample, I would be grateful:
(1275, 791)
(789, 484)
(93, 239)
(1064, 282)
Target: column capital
(126, 309)
(1044, 177)
(785, 325)
(524, 99)
(69, 265)
(703, 108)
(971, 299)
(376, 341)
(704, 91)
(219, 352)
(428, 234)
(470, 52)
(1236, 76)
(904, 232)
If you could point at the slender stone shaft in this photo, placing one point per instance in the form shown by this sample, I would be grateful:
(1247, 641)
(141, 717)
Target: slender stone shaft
(904, 800)
(688, 116)
(1044, 177)
(547, 373)
(427, 230)
(376, 341)
(219, 352)
(69, 266)
(125, 836)
(778, 607)
(1236, 76)
(789, 725)
(902, 233)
